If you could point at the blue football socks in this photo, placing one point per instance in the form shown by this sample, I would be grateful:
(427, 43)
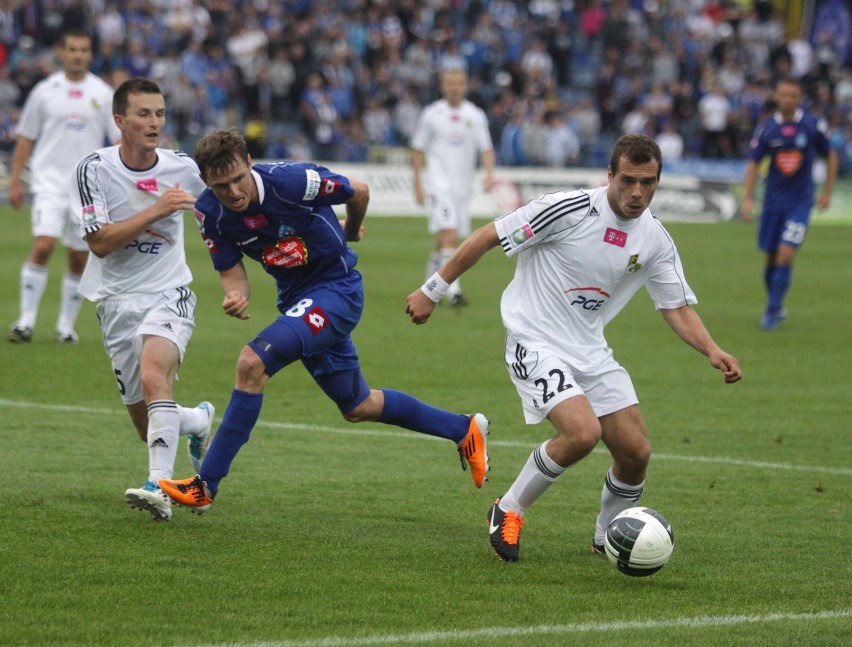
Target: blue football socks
(234, 431)
(408, 412)
(778, 286)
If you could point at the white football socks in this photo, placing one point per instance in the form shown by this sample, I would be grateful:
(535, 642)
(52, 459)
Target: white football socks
(163, 426)
(192, 421)
(615, 497)
(537, 475)
(70, 303)
(33, 282)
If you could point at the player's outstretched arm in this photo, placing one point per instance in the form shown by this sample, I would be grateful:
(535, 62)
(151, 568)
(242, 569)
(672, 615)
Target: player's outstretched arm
(832, 164)
(23, 148)
(419, 305)
(356, 211)
(688, 326)
(748, 189)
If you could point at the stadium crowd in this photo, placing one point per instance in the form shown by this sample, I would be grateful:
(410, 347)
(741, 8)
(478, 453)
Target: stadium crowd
(560, 80)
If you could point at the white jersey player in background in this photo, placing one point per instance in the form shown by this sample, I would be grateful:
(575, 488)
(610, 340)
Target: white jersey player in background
(582, 255)
(66, 116)
(450, 135)
(129, 200)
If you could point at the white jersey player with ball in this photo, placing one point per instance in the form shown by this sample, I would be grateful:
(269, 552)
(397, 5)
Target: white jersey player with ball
(582, 255)
(578, 265)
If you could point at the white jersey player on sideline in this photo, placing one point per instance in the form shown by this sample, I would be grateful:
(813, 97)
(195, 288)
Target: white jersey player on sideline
(66, 116)
(129, 200)
(582, 255)
(450, 134)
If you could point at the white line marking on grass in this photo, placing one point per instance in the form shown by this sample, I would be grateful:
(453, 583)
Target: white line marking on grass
(391, 433)
(552, 630)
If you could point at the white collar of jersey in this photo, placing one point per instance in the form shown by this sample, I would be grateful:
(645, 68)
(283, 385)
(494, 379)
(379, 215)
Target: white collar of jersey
(259, 183)
(796, 118)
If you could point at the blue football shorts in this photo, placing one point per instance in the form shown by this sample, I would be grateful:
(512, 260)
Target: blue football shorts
(316, 329)
(783, 224)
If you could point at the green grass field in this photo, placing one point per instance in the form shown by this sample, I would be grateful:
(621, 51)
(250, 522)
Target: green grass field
(335, 535)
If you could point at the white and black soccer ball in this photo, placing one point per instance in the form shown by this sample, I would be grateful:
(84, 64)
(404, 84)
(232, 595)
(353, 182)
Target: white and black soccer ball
(639, 541)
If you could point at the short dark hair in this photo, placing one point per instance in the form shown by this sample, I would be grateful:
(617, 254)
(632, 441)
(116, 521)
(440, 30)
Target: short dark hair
(217, 152)
(639, 149)
(137, 85)
(789, 80)
(74, 33)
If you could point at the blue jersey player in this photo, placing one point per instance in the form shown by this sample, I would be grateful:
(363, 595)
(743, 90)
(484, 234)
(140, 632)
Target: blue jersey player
(281, 216)
(792, 138)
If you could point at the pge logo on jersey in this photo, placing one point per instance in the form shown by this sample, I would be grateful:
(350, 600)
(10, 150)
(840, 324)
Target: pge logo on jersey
(587, 302)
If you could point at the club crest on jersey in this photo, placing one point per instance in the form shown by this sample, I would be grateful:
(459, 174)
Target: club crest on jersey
(89, 214)
(633, 265)
(521, 234)
(255, 222)
(287, 252)
(147, 185)
(615, 237)
(789, 161)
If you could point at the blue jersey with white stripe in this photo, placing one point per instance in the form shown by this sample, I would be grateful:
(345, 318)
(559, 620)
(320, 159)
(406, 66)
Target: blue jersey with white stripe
(292, 232)
(792, 147)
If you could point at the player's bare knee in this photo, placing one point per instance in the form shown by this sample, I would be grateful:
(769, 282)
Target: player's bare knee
(251, 373)
(361, 413)
(588, 436)
(353, 416)
(154, 383)
(634, 458)
(582, 436)
(76, 262)
(367, 411)
(41, 253)
(572, 444)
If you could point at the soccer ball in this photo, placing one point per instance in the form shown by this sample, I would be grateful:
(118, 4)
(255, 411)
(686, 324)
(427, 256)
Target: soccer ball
(639, 541)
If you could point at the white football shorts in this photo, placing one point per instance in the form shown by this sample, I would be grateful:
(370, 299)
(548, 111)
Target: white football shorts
(125, 320)
(543, 380)
(447, 212)
(51, 216)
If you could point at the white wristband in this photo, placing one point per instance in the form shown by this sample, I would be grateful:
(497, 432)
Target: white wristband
(435, 287)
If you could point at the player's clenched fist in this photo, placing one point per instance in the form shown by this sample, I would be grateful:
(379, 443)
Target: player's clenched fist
(419, 307)
(235, 305)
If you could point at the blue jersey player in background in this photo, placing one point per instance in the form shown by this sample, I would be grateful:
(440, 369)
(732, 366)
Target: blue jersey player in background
(792, 138)
(281, 216)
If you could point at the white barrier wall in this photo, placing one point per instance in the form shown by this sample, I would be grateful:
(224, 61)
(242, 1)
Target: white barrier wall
(679, 198)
